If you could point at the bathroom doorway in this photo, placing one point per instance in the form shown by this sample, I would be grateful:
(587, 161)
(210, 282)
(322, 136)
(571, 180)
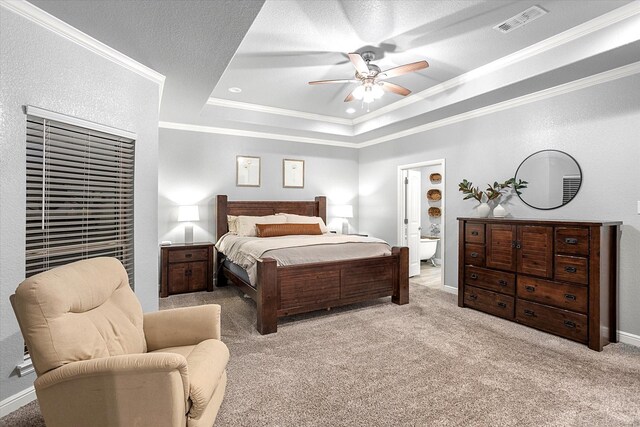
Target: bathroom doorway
(421, 225)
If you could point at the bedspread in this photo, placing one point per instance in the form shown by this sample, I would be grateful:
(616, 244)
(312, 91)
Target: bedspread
(292, 250)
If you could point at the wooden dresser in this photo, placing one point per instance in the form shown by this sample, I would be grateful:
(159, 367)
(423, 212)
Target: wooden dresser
(186, 268)
(557, 276)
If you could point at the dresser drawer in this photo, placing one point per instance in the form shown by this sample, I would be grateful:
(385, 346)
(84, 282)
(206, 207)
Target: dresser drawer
(561, 322)
(490, 279)
(562, 295)
(572, 241)
(572, 269)
(474, 254)
(183, 255)
(474, 233)
(489, 302)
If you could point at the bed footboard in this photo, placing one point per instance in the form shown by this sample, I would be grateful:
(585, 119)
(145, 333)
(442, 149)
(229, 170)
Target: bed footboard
(287, 290)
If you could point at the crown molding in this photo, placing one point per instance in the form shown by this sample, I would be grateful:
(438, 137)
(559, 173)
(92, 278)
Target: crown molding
(581, 30)
(596, 79)
(219, 102)
(61, 28)
(254, 134)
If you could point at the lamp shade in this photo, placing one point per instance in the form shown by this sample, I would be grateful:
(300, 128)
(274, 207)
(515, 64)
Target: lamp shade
(343, 211)
(188, 213)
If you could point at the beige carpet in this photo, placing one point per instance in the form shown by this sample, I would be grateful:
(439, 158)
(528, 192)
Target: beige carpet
(424, 364)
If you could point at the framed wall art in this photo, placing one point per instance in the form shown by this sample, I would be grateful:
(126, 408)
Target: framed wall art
(247, 171)
(293, 173)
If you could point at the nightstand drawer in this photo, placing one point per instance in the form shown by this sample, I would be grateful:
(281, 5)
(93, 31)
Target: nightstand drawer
(182, 255)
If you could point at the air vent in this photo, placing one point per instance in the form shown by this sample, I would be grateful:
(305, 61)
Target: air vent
(523, 18)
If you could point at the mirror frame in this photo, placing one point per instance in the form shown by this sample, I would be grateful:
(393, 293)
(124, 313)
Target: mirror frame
(564, 204)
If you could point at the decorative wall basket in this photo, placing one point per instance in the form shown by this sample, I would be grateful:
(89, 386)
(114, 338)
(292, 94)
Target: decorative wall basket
(434, 195)
(435, 212)
(435, 178)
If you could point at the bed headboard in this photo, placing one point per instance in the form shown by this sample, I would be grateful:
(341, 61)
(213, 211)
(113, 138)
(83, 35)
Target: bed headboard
(225, 207)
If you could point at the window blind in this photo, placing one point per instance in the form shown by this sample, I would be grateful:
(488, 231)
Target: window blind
(79, 195)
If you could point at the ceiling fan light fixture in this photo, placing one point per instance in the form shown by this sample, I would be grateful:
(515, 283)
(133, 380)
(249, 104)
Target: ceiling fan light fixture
(358, 92)
(377, 91)
(368, 96)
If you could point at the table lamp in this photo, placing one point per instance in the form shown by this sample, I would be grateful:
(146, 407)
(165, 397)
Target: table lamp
(188, 214)
(345, 212)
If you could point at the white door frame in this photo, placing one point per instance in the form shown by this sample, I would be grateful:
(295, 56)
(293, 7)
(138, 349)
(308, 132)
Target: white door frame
(400, 205)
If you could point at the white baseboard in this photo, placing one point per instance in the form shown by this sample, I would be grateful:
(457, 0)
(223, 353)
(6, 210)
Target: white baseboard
(628, 338)
(450, 289)
(18, 400)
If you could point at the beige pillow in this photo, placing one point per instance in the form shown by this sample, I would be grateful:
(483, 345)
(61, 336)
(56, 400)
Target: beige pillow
(287, 229)
(246, 225)
(232, 222)
(301, 219)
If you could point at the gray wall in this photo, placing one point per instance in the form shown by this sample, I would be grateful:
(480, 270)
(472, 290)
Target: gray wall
(597, 125)
(48, 71)
(194, 167)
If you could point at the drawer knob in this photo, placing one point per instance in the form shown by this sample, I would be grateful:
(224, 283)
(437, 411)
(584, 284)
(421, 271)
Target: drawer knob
(513, 244)
(571, 241)
(474, 233)
(570, 297)
(530, 288)
(474, 276)
(570, 269)
(188, 255)
(518, 245)
(473, 297)
(569, 324)
(474, 254)
(529, 313)
(502, 305)
(502, 282)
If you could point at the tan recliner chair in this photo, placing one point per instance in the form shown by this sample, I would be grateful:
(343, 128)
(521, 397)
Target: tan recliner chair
(101, 362)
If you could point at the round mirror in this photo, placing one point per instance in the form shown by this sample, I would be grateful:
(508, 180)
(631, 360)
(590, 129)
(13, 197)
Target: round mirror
(553, 177)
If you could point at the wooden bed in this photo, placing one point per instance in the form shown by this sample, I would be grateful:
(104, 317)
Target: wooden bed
(286, 290)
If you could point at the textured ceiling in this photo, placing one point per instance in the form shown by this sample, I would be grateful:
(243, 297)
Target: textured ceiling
(190, 42)
(294, 41)
(272, 49)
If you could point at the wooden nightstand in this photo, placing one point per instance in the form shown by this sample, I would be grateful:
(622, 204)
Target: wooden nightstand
(186, 268)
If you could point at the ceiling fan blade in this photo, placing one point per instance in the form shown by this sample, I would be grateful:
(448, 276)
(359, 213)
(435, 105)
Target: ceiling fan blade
(321, 82)
(392, 87)
(403, 69)
(359, 63)
(349, 97)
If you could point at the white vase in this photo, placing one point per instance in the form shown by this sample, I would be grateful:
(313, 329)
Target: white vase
(483, 210)
(499, 211)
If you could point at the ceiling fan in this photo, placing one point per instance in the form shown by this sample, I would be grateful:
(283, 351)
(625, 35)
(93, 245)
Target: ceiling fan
(372, 80)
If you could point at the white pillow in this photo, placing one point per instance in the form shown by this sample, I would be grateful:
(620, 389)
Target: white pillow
(301, 219)
(246, 225)
(232, 222)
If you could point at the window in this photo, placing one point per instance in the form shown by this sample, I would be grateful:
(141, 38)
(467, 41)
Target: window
(79, 192)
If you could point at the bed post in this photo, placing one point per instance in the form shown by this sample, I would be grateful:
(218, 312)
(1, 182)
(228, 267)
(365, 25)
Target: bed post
(267, 296)
(221, 229)
(401, 291)
(321, 202)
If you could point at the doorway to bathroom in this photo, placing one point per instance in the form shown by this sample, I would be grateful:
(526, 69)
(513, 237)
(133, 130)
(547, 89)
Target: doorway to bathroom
(421, 225)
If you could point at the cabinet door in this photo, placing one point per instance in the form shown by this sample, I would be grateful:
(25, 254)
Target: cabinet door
(535, 254)
(501, 251)
(198, 276)
(178, 281)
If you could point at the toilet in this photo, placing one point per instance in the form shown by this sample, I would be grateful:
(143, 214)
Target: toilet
(428, 246)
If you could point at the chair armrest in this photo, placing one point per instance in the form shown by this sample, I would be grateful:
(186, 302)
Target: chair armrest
(181, 326)
(131, 389)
